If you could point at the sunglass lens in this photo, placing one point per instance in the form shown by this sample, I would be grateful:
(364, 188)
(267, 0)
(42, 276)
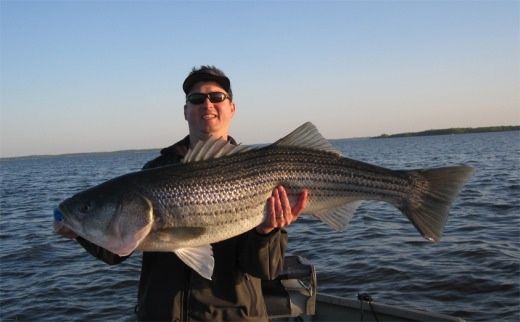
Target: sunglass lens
(196, 98)
(217, 97)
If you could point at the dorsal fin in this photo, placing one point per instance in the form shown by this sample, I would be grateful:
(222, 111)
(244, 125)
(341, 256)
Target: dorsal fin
(307, 136)
(213, 148)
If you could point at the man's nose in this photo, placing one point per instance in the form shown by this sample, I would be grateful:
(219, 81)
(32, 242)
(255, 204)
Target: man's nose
(207, 103)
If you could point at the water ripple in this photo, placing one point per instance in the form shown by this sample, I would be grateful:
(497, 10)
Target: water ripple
(473, 272)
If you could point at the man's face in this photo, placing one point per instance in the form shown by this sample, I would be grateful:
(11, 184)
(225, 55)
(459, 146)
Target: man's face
(209, 119)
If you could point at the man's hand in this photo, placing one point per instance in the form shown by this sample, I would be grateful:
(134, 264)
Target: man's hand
(64, 231)
(280, 213)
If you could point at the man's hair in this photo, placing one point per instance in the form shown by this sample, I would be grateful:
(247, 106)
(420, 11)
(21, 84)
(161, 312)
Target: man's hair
(207, 73)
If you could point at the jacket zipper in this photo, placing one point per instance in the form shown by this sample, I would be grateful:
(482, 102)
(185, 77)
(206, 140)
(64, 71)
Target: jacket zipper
(187, 294)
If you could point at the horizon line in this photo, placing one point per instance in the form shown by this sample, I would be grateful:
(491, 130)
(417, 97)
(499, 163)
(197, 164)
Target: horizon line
(389, 136)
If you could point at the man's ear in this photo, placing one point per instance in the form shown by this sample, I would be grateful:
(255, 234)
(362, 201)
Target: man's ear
(185, 116)
(233, 107)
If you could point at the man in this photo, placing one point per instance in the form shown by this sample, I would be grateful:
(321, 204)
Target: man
(170, 290)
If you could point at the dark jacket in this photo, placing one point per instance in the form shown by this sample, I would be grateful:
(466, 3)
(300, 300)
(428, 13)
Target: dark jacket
(170, 290)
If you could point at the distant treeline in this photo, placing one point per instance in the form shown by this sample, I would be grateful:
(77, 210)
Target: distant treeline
(461, 130)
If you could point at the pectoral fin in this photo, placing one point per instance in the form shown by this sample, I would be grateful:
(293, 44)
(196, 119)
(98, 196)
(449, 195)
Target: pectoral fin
(200, 259)
(178, 234)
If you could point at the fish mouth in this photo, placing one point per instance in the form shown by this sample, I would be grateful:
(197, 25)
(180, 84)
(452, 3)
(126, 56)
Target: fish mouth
(66, 217)
(63, 210)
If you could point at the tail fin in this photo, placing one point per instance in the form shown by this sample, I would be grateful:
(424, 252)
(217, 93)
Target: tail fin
(434, 192)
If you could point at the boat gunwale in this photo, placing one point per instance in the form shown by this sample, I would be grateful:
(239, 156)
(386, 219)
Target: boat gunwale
(391, 310)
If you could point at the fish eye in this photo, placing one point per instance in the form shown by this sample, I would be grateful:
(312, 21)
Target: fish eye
(85, 207)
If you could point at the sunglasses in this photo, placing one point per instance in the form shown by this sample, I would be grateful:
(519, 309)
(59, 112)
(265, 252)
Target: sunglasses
(214, 97)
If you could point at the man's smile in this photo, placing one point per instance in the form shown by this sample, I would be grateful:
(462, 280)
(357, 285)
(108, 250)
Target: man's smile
(208, 116)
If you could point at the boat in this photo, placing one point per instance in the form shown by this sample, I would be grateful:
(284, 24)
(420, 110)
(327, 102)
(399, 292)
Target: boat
(293, 297)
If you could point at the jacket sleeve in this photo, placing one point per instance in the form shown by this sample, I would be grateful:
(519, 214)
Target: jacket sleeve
(262, 255)
(101, 253)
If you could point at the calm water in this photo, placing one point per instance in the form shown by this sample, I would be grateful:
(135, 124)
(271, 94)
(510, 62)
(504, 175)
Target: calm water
(473, 273)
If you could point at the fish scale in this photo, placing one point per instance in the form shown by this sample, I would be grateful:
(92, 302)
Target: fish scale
(286, 166)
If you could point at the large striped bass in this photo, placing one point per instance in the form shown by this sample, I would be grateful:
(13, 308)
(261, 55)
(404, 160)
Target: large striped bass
(220, 191)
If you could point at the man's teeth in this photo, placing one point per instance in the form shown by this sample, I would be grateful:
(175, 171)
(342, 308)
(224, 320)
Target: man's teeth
(207, 117)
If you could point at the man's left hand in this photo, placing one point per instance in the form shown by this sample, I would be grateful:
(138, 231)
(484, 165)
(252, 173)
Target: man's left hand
(280, 213)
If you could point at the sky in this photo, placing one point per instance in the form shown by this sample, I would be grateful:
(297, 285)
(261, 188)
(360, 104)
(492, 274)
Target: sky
(95, 76)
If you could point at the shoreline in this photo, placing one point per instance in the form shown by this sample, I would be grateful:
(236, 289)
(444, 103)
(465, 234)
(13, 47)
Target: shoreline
(464, 130)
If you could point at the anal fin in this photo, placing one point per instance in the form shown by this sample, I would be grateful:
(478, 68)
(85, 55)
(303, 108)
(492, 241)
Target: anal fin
(339, 218)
